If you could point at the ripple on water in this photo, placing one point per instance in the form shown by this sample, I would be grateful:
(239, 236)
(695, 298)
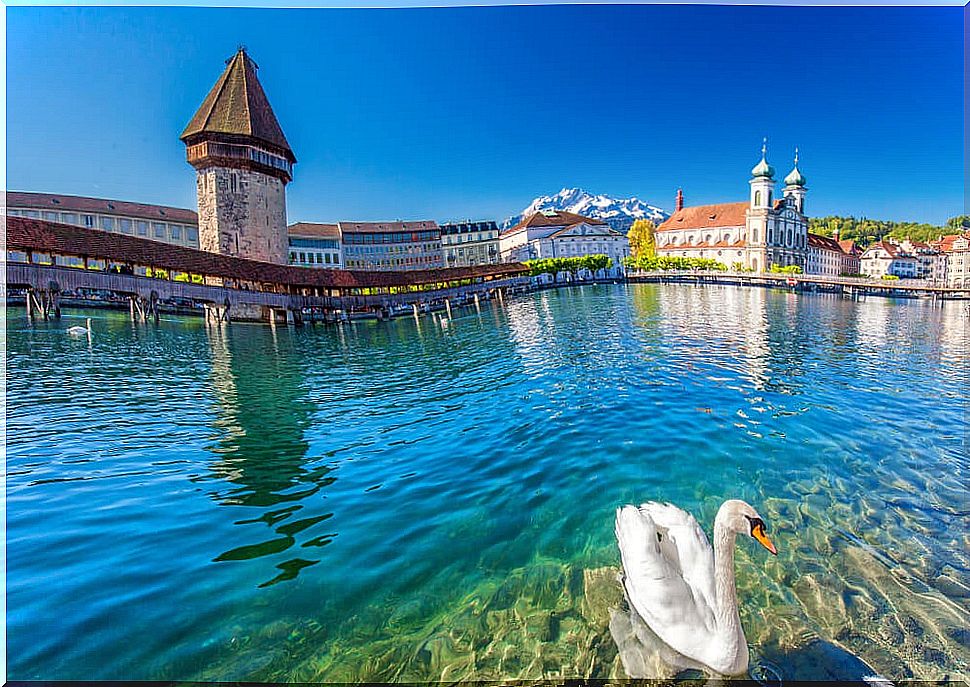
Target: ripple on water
(403, 501)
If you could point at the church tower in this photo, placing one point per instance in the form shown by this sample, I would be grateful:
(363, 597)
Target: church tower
(243, 163)
(758, 214)
(795, 186)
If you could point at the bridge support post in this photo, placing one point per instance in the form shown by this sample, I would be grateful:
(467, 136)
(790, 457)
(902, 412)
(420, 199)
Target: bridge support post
(414, 307)
(448, 307)
(477, 304)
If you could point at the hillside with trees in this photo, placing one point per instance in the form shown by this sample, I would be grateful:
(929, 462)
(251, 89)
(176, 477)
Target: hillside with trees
(865, 231)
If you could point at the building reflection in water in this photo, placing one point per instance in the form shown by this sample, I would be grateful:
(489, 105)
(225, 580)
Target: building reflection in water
(261, 465)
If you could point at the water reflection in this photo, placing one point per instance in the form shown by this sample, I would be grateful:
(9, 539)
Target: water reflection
(262, 415)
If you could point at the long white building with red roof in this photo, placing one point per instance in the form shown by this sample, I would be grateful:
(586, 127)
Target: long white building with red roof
(753, 234)
(560, 234)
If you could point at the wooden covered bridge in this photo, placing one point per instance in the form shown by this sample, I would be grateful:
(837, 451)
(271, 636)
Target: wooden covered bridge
(47, 260)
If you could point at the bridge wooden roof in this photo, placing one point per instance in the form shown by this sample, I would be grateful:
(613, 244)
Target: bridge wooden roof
(41, 235)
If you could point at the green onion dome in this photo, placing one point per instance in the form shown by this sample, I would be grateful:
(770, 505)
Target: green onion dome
(795, 178)
(763, 169)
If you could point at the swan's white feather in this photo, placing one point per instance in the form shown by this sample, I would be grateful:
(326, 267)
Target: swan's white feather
(678, 607)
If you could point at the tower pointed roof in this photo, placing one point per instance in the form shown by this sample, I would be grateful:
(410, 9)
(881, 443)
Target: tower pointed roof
(237, 107)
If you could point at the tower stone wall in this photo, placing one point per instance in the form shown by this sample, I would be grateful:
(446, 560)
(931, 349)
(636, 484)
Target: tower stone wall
(242, 213)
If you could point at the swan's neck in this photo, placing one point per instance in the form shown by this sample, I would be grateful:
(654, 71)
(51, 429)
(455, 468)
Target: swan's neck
(726, 613)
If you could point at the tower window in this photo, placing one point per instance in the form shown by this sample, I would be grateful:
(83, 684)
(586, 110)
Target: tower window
(757, 197)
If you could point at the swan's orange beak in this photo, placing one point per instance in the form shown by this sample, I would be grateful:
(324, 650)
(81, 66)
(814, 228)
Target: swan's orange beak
(758, 532)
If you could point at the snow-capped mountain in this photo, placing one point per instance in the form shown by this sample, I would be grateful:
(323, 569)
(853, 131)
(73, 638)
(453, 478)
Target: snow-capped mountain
(619, 213)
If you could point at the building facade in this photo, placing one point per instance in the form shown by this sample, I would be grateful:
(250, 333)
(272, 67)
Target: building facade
(560, 234)
(470, 243)
(156, 222)
(753, 235)
(391, 246)
(824, 256)
(315, 245)
(243, 163)
(887, 259)
(955, 249)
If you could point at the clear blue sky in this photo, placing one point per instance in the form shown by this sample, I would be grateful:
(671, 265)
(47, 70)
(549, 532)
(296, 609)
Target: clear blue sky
(471, 112)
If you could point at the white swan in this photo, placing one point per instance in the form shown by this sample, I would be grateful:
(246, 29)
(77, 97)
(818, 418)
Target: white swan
(683, 589)
(78, 330)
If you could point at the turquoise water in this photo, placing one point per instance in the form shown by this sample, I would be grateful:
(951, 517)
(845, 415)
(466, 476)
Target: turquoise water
(425, 500)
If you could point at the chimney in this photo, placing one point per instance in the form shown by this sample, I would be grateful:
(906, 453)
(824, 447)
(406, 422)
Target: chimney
(835, 235)
(680, 200)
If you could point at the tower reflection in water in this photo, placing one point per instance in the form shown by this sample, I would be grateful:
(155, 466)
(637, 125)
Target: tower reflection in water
(261, 465)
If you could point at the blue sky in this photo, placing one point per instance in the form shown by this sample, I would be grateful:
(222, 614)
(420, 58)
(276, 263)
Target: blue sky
(471, 112)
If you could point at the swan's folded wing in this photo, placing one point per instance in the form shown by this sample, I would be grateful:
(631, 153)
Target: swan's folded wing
(677, 613)
(694, 552)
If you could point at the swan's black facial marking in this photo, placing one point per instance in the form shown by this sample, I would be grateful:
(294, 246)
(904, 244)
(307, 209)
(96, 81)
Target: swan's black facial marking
(659, 537)
(756, 524)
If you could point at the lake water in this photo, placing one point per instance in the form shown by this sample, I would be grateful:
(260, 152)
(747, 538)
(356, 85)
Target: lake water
(427, 500)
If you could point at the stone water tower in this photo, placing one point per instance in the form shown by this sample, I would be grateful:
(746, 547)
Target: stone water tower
(243, 163)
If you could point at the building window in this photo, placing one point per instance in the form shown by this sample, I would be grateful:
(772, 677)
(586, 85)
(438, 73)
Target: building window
(159, 229)
(125, 225)
(68, 218)
(757, 197)
(192, 234)
(108, 223)
(142, 228)
(50, 216)
(87, 220)
(176, 231)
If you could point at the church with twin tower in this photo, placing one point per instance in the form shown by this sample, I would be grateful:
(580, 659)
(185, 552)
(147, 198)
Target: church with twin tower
(243, 163)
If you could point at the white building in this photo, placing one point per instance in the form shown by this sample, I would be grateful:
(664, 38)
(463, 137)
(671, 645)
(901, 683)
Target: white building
(468, 243)
(755, 234)
(315, 245)
(155, 222)
(955, 248)
(824, 256)
(888, 259)
(560, 234)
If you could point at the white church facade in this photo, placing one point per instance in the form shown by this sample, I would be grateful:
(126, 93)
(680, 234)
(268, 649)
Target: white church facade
(755, 234)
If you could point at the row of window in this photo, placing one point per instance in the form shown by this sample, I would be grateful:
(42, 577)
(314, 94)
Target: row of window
(314, 258)
(300, 242)
(392, 237)
(399, 249)
(468, 238)
(422, 262)
(182, 233)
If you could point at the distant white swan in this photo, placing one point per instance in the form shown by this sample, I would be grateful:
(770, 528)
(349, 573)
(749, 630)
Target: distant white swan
(78, 330)
(682, 588)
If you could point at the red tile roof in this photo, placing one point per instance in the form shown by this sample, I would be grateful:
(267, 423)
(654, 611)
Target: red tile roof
(40, 235)
(610, 231)
(824, 243)
(314, 229)
(706, 216)
(238, 106)
(104, 206)
(945, 243)
(552, 218)
(848, 247)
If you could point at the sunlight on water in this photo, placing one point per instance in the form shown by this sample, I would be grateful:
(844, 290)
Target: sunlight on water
(407, 501)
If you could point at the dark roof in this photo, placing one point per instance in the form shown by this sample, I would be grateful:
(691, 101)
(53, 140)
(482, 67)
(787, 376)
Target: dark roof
(40, 235)
(238, 106)
(706, 216)
(104, 206)
(387, 227)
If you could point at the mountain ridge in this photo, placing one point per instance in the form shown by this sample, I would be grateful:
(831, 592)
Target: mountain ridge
(619, 213)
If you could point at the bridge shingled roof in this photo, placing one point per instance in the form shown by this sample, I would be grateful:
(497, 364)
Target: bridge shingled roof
(42, 235)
